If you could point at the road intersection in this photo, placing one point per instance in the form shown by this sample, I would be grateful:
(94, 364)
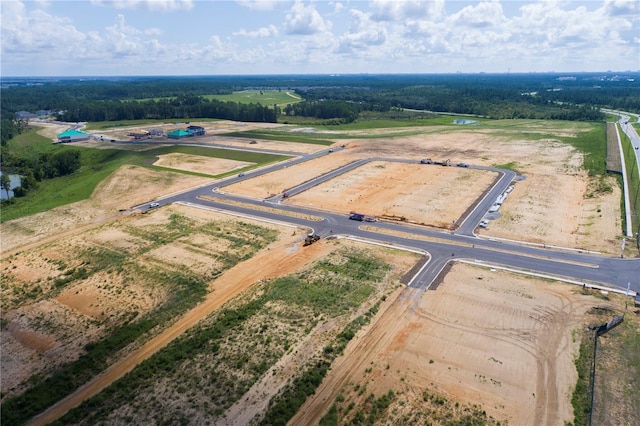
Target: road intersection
(441, 247)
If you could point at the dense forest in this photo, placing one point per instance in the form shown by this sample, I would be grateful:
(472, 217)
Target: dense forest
(342, 98)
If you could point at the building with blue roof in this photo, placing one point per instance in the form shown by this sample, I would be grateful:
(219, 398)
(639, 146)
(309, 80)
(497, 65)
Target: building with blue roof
(73, 135)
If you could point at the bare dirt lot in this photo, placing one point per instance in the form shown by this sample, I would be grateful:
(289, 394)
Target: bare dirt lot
(429, 195)
(484, 337)
(199, 164)
(281, 180)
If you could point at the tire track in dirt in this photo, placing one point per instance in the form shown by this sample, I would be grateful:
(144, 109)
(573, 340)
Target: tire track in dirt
(276, 260)
(547, 392)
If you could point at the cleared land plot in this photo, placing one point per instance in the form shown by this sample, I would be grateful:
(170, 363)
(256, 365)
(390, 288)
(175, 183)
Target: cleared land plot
(199, 164)
(557, 203)
(556, 209)
(498, 340)
(83, 287)
(238, 357)
(281, 180)
(425, 194)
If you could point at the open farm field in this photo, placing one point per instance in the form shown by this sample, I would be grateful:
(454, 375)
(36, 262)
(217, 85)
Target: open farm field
(280, 98)
(264, 97)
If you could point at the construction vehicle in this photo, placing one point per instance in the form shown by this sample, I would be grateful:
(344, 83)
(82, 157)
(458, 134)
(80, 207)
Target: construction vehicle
(310, 239)
(356, 216)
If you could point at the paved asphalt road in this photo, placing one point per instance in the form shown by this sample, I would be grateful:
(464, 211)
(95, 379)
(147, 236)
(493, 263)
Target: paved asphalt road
(459, 245)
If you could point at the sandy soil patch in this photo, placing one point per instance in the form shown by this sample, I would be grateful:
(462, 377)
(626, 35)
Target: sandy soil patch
(199, 164)
(257, 399)
(266, 144)
(430, 195)
(483, 337)
(183, 256)
(286, 178)
(50, 130)
(40, 337)
(562, 217)
(263, 208)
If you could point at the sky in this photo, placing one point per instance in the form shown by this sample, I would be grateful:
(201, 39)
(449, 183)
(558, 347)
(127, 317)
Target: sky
(245, 37)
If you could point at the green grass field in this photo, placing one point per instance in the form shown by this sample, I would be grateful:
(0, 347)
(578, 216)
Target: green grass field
(280, 98)
(633, 181)
(105, 125)
(285, 136)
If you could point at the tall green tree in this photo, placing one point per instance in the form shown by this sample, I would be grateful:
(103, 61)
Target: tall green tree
(5, 183)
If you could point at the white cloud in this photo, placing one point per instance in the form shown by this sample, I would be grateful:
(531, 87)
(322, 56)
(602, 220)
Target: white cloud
(362, 34)
(485, 14)
(548, 25)
(337, 7)
(623, 8)
(378, 36)
(264, 32)
(24, 32)
(152, 5)
(305, 20)
(401, 10)
(260, 4)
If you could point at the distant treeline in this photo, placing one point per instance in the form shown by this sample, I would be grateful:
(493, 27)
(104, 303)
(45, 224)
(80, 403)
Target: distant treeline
(341, 98)
(180, 107)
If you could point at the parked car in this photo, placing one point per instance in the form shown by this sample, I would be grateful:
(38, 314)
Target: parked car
(484, 223)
